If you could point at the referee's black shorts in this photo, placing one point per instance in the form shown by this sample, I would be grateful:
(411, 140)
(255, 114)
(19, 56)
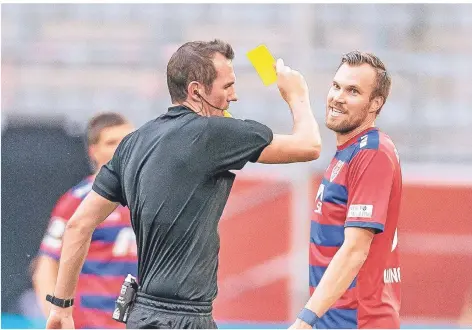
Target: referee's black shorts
(150, 312)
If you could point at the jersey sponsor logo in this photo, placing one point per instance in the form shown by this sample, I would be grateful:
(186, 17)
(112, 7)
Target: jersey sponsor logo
(360, 211)
(392, 275)
(125, 243)
(363, 141)
(319, 198)
(336, 169)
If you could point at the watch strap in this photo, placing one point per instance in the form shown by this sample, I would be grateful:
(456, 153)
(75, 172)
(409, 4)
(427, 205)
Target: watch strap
(64, 303)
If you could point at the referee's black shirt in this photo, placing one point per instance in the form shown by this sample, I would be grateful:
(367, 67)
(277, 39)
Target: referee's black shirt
(173, 173)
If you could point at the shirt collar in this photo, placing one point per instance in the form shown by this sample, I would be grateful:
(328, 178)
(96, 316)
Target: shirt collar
(355, 138)
(178, 110)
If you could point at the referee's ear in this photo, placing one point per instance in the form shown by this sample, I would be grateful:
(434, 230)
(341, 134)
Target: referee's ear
(193, 91)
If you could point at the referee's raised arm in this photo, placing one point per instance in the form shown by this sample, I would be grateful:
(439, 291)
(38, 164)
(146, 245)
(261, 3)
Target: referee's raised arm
(304, 144)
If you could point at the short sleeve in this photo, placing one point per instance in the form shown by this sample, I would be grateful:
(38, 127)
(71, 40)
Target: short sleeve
(233, 142)
(108, 180)
(52, 241)
(370, 181)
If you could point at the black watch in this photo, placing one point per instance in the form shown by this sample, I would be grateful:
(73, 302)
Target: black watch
(64, 303)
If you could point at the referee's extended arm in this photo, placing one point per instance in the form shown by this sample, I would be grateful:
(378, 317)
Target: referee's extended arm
(304, 144)
(92, 211)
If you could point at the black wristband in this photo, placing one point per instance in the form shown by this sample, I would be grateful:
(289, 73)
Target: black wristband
(64, 303)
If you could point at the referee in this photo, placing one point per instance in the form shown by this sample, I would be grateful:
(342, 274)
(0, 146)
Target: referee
(174, 175)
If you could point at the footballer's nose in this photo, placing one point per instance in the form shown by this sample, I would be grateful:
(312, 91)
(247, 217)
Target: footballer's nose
(337, 97)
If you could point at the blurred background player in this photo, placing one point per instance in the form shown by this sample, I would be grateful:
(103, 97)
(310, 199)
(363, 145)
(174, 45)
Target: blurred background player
(354, 264)
(112, 253)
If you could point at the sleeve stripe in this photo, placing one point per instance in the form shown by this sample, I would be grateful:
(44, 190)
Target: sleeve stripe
(49, 254)
(379, 228)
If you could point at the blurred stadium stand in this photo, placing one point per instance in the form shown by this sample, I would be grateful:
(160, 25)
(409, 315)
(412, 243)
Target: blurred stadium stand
(75, 59)
(62, 63)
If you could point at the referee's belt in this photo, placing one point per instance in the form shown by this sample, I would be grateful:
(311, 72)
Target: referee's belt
(172, 305)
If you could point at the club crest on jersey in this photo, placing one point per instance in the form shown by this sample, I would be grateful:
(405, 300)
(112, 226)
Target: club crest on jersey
(336, 169)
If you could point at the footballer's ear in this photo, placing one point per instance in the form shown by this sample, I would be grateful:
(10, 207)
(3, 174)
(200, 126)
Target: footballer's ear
(376, 104)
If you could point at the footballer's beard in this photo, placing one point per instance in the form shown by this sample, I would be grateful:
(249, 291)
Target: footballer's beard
(347, 125)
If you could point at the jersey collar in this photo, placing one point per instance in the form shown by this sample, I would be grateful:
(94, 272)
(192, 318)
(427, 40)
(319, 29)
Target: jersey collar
(178, 110)
(355, 138)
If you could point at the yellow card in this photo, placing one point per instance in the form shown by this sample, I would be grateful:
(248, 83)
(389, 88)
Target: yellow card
(263, 62)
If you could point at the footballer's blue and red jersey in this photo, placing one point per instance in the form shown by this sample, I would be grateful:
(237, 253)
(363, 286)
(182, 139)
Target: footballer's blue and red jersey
(361, 188)
(112, 255)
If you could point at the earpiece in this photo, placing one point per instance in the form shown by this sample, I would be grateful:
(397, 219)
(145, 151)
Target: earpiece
(196, 92)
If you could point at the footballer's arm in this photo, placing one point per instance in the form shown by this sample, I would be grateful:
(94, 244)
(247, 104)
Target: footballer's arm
(340, 273)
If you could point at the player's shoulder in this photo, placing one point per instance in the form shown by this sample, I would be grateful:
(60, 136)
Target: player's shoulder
(230, 121)
(374, 141)
(386, 144)
(370, 140)
(69, 201)
(216, 121)
(243, 128)
(80, 190)
(367, 142)
(374, 144)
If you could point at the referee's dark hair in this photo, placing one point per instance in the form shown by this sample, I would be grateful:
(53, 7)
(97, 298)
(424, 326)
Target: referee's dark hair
(101, 121)
(193, 62)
